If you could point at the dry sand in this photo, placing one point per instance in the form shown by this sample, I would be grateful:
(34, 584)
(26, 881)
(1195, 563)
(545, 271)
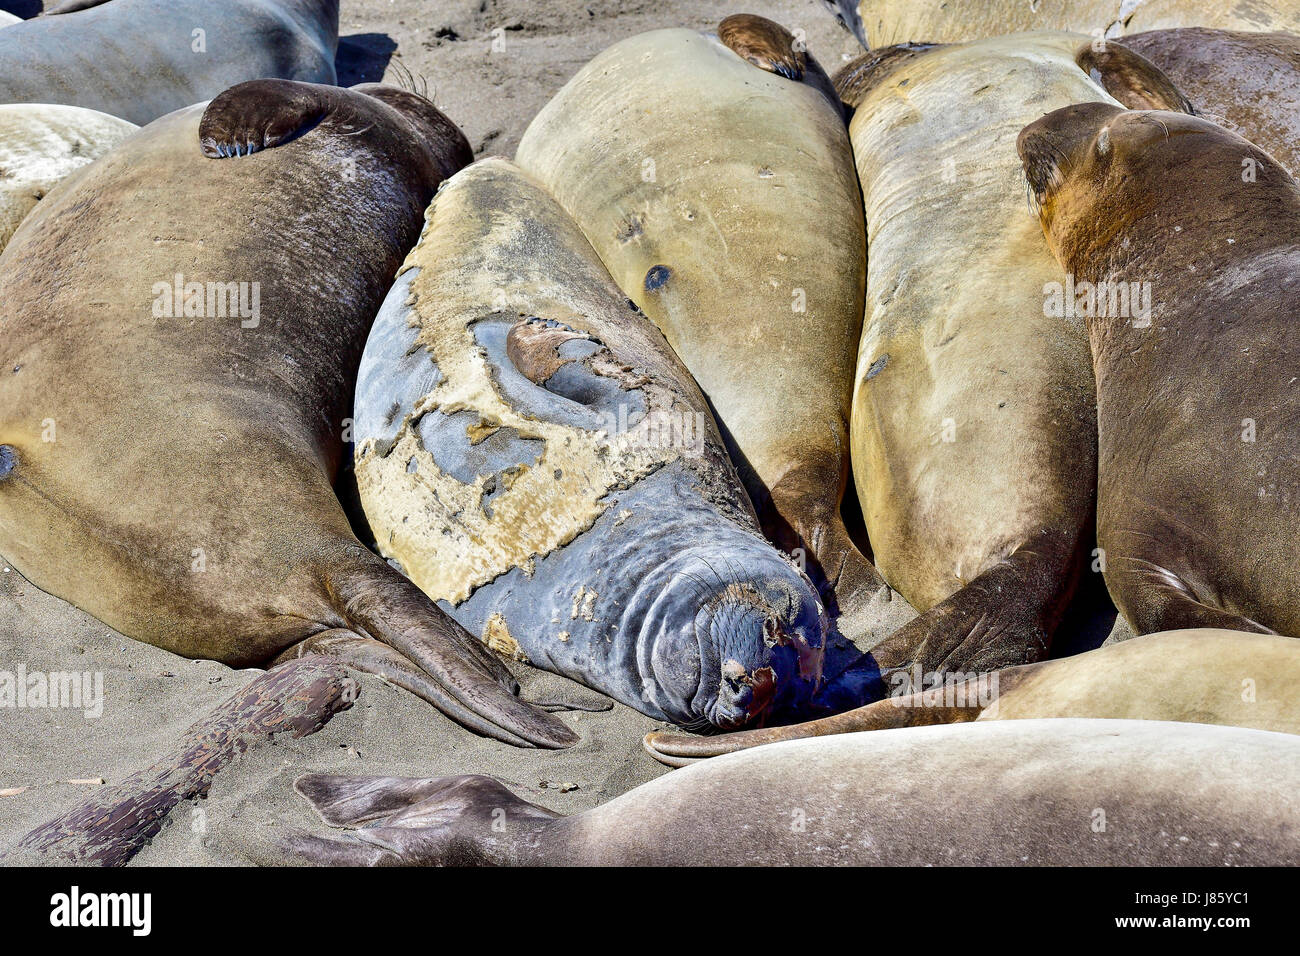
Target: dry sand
(491, 65)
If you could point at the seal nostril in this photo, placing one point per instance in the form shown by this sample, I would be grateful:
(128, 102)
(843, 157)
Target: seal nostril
(657, 277)
(8, 461)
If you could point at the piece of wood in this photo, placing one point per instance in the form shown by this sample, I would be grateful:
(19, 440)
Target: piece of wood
(110, 827)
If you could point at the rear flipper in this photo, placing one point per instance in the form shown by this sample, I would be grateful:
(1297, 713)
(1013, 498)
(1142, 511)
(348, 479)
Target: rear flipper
(465, 680)
(913, 710)
(404, 821)
(948, 704)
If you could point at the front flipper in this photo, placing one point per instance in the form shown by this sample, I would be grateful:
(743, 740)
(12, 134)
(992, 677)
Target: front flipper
(1131, 78)
(263, 114)
(404, 821)
(72, 6)
(767, 45)
(468, 682)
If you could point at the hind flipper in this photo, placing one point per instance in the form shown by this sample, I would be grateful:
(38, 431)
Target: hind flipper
(469, 684)
(409, 821)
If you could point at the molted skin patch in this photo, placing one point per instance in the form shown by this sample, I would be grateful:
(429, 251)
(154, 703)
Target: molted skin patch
(516, 444)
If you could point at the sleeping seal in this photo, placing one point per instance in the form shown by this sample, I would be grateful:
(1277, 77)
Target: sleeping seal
(181, 326)
(1016, 792)
(532, 453)
(1202, 676)
(714, 177)
(139, 59)
(40, 145)
(973, 429)
(1198, 407)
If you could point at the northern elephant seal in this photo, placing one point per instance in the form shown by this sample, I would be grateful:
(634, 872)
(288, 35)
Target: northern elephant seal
(973, 429)
(531, 452)
(885, 22)
(1197, 404)
(1246, 82)
(1201, 675)
(714, 177)
(180, 337)
(40, 145)
(139, 59)
(1024, 792)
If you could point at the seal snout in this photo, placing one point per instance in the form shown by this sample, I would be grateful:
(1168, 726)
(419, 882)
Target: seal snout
(1050, 147)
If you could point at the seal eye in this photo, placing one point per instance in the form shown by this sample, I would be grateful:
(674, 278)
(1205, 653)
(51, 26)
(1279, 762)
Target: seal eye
(1103, 141)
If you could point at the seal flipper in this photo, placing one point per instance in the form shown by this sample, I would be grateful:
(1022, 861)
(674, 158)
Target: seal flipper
(1131, 78)
(767, 45)
(912, 710)
(72, 6)
(262, 114)
(409, 821)
(469, 684)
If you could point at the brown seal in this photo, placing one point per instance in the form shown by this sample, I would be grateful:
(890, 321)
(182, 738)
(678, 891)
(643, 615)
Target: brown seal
(180, 335)
(1198, 404)
(1246, 82)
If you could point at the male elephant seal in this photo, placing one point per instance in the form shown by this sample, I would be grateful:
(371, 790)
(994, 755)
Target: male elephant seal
(973, 429)
(139, 59)
(533, 453)
(42, 144)
(1198, 405)
(884, 22)
(1027, 792)
(1246, 82)
(180, 334)
(1202, 676)
(714, 177)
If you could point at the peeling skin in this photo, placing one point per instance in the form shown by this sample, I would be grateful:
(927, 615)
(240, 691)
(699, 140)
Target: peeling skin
(578, 541)
(40, 146)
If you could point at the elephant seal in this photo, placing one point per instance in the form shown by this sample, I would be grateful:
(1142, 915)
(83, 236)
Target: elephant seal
(973, 429)
(1246, 82)
(881, 23)
(181, 328)
(1198, 473)
(40, 145)
(533, 454)
(714, 177)
(140, 59)
(1201, 675)
(1023, 792)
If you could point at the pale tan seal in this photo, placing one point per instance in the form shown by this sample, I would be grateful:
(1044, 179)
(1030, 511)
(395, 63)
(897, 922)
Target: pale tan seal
(714, 177)
(973, 430)
(885, 22)
(42, 144)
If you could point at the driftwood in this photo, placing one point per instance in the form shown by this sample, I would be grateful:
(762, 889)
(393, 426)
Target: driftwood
(110, 827)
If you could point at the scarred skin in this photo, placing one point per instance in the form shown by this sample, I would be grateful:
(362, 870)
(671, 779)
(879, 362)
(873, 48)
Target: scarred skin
(171, 473)
(1016, 792)
(535, 456)
(1198, 411)
(140, 59)
(1246, 82)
